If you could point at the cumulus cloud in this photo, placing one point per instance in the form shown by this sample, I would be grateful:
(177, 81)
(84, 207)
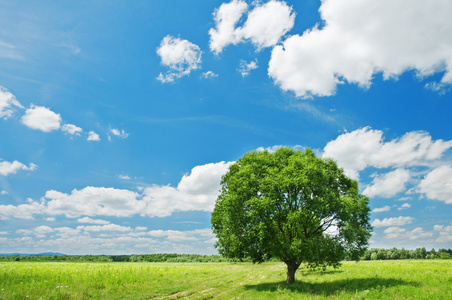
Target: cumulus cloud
(176, 235)
(437, 185)
(354, 151)
(21, 211)
(71, 129)
(41, 118)
(226, 17)
(445, 233)
(388, 185)
(7, 168)
(265, 24)
(92, 136)
(196, 191)
(209, 74)
(245, 67)
(362, 38)
(403, 234)
(381, 209)
(41, 231)
(419, 233)
(180, 56)
(92, 201)
(35, 117)
(114, 239)
(394, 232)
(119, 133)
(387, 222)
(7, 103)
(92, 221)
(404, 206)
(106, 227)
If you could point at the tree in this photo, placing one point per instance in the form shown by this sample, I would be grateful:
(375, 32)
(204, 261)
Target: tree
(293, 206)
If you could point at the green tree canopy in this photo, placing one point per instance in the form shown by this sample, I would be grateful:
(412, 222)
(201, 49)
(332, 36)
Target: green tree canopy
(293, 206)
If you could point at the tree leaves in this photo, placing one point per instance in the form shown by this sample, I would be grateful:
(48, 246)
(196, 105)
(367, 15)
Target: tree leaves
(291, 205)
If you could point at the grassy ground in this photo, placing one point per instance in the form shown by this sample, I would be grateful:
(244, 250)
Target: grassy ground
(408, 279)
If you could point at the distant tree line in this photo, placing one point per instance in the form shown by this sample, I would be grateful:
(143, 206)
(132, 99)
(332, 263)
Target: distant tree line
(163, 257)
(394, 253)
(369, 254)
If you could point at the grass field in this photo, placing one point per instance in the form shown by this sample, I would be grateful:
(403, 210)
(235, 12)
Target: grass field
(407, 279)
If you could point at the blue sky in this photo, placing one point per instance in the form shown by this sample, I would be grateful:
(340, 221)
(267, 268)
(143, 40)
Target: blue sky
(118, 118)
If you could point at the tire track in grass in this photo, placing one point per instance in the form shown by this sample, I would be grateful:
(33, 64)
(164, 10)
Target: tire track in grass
(225, 286)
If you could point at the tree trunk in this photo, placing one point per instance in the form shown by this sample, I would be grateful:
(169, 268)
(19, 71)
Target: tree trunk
(292, 267)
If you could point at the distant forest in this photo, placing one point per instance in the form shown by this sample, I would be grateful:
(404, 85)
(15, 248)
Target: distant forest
(370, 254)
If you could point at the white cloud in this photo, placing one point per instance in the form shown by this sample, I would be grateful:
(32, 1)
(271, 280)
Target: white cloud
(267, 23)
(226, 17)
(209, 74)
(111, 240)
(7, 168)
(245, 67)
(387, 222)
(41, 118)
(92, 136)
(71, 129)
(177, 236)
(389, 184)
(41, 231)
(107, 227)
(92, 201)
(419, 233)
(3, 193)
(437, 185)
(196, 191)
(120, 133)
(125, 177)
(403, 234)
(50, 219)
(180, 56)
(445, 233)
(7, 103)
(361, 38)
(381, 209)
(354, 151)
(24, 231)
(92, 221)
(264, 26)
(66, 232)
(173, 235)
(35, 117)
(21, 211)
(394, 232)
(404, 206)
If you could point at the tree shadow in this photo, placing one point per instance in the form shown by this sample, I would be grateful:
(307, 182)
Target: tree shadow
(331, 287)
(320, 272)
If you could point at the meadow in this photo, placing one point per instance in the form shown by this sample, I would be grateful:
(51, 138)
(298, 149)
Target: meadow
(396, 279)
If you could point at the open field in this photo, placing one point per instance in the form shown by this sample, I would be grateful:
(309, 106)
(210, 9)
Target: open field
(409, 279)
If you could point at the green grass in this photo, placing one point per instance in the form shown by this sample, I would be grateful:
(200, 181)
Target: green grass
(407, 279)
